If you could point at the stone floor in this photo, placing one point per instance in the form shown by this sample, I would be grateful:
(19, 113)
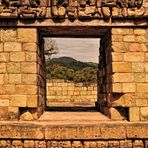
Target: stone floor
(73, 117)
(72, 113)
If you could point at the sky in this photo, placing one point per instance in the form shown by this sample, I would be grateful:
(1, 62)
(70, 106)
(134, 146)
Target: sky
(82, 49)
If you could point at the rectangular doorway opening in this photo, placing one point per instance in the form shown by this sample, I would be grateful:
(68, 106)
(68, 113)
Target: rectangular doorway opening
(69, 109)
(71, 73)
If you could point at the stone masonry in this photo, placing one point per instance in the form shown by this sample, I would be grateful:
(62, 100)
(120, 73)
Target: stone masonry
(21, 82)
(124, 74)
(61, 91)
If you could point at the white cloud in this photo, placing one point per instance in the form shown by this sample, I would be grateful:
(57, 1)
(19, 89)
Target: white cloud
(82, 49)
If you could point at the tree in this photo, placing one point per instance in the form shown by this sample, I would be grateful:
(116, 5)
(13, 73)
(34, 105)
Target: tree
(50, 47)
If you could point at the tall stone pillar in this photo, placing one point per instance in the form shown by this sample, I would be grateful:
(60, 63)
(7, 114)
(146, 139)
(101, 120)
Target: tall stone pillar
(21, 80)
(124, 76)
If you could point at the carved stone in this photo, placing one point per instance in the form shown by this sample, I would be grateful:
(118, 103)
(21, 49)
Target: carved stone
(71, 8)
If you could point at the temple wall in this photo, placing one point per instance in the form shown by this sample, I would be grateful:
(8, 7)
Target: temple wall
(61, 91)
(20, 73)
(123, 76)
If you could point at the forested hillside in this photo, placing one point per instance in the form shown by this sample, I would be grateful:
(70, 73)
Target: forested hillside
(68, 68)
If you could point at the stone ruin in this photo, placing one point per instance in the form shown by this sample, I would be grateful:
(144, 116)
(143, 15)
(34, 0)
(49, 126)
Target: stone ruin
(122, 78)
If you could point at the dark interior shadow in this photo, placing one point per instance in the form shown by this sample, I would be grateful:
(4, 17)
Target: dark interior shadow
(71, 109)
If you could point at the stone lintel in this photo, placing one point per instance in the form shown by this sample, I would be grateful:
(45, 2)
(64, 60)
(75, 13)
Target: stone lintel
(140, 22)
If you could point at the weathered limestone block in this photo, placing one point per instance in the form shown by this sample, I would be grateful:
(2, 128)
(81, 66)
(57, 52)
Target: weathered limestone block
(90, 144)
(144, 113)
(76, 144)
(138, 144)
(134, 113)
(28, 35)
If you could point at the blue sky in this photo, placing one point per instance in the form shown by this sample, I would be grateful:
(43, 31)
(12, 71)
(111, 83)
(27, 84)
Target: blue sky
(82, 49)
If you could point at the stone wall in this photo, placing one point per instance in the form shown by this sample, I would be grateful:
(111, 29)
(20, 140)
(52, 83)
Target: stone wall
(66, 91)
(55, 134)
(75, 143)
(124, 74)
(20, 74)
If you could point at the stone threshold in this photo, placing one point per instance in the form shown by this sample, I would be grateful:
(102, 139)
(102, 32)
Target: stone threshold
(102, 130)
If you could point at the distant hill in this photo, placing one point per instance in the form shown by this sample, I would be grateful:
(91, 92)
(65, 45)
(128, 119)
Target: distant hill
(69, 68)
(70, 62)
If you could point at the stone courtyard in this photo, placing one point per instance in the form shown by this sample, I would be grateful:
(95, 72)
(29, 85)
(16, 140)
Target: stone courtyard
(120, 118)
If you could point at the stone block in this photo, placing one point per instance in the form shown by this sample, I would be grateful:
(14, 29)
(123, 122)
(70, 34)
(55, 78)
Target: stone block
(135, 47)
(146, 77)
(141, 102)
(29, 79)
(115, 114)
(144, 47)
(14, 78)
(17, 143)
(144, 113)
(146, 67)
(123, 77)
(102, 144)
(117, 57)
(65, 144)
(17, 56)
(12, 46)
(32, 101)
(2, 68)
(141, 39)
(4, 102)
(142, 87)
(5, 143)
(8, 35)
(122, 31)
(4, 57)
(76, 144)
(128, 87)
(28, 35)
(138, 67)
(13, 113)
(119, 47)
(29, 67)
(26, 89)
(140, 77)
(3, 113)
(13, 68)
(129, 38)
(134, 56)
(52, 144)
(139, 31)
(136, 130)
(30, 47)
(121, 67)
(2, 80)
(31, 57)
(90, 144)
(21, 131)
(117, 38)
(113, 144)
(116, 87)
(19, 101)
(9, 89)
(129, 99)
(126, 144)
(146, 56)
(138, 144)
(114, 131)
(29, 144)
(1, 47)
(134, 113)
